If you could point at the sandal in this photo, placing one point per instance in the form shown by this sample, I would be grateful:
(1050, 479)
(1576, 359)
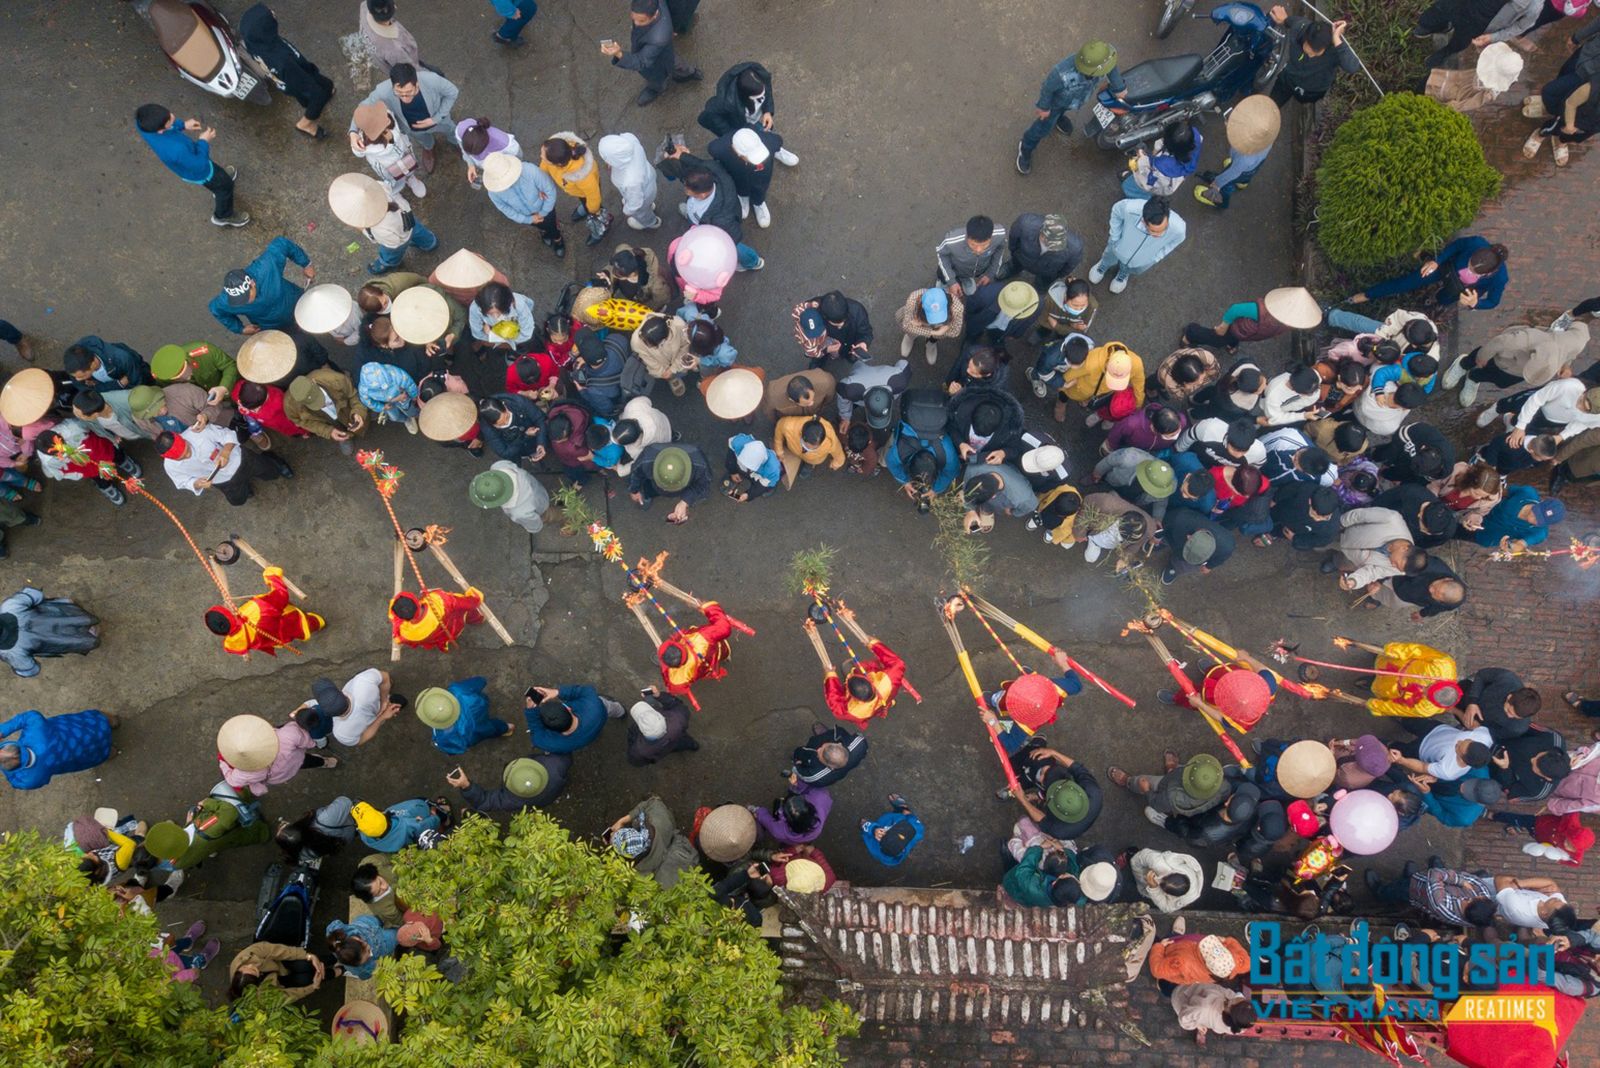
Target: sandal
(1533, 108)
(1563, 153)
(1530, 147)
(1573, 698)
(1117, 776)
(1261, 541)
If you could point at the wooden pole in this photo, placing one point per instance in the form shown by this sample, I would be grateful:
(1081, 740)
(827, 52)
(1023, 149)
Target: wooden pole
(1189, 690)
(694, 602)
(977, 696)
(399, 579)
(645, 622)
(488, 613)
(245, 548)
(822, 651)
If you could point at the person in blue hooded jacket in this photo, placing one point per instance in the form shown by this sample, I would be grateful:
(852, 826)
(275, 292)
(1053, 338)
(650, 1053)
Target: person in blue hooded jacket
(754, 470)
(459, 715)
(397, 826)
(258, 297)
(566, 720)
(921, 465)
(1467, 273)
(190, 158)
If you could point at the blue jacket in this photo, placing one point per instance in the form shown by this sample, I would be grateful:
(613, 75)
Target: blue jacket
(187, 157)
(1450, 259)
(1183, 465)
(534, 194)
(1065, 88)
(385, 941)
(600, 388)
(273, 308)
(585, 704)
(1133, 246)
(1503, 521)
(54, 745)
(474, 725)
(887, 820)
(407, 821)
(119, 362)
(771, 471)
(1445, 803)
(944, 449)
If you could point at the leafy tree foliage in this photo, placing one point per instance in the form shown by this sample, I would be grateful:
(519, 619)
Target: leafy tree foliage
(1402, 175)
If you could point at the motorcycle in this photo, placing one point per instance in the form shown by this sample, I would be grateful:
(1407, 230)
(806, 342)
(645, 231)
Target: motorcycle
(284, 903)
(1172, 89)
(200, 45)
(1171, 12)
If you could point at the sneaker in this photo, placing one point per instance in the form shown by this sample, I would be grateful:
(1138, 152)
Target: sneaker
(378, 267)
(1169, 576)
(637, 225)
(1404, 932)
(931, 351)
(693, 74)
(1487, 416)
(1032, 523)
(760, 263)
(1041, 388)
(236, 219)
(744, 207)
(646, 96)
(1024, 160)
(1469, 394)
(787, 158)
(509, 42)
(560, 250)
(1092, 552)
(411, 426)
(128, 466)
(763, 216)
(415, 184)
(1092, 419)
(1167, 697)
(905, 346)
(208, 953)
(1097, 274)
(113, 494)
(233, 172)
(1120, 282)
(1455, 372)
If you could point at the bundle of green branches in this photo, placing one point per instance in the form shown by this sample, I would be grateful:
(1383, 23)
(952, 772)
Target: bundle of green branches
(965, 555)
(576, 515)
(811, 569)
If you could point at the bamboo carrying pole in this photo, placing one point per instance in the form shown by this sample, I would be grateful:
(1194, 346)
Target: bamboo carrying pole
(977, 696)
(399, 581)
(866, 640)
(645, 622)
(1189, 690)
(488, 613)
(822, 650)
(694, 602)
(261, 562)
(1034, 639)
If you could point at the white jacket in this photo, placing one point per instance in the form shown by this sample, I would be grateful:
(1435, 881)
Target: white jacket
(1365, 539)
(654, 429)
(631, 172)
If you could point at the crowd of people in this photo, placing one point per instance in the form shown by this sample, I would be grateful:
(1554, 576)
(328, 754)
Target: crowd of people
(1200, 448)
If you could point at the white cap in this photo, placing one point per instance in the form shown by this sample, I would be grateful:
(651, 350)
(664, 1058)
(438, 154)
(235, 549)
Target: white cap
(749, 146)
(651, 723)
(1044, 458)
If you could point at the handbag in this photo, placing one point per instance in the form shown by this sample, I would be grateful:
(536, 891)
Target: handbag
(403, 167)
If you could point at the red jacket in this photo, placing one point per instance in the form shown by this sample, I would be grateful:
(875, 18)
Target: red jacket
(548, 370)
(704, 648)
(270, 414)
(267, 620)
(1564, 832)
(101, 450)
(445, 615)
(885, 671)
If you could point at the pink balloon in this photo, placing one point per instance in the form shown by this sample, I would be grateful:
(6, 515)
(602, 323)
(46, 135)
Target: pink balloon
(1364, 822)
(705, 257)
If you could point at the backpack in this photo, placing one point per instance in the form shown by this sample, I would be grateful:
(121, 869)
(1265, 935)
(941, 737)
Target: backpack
(924, 411)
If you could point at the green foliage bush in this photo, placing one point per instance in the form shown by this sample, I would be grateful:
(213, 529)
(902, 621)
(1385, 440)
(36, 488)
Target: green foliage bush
(1401, 175)
(532, 916)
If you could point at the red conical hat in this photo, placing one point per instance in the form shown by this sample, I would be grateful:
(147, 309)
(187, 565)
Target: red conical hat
(1243, 696)
(1031, 700)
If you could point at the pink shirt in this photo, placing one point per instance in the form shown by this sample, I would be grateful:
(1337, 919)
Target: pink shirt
(10, 448)
(1579, 791)
(293, 743)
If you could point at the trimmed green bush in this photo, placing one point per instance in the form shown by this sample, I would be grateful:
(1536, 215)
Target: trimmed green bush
(1401, 175)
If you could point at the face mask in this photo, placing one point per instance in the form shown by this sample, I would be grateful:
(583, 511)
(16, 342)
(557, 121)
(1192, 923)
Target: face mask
(1073, 306)
(1468, 276)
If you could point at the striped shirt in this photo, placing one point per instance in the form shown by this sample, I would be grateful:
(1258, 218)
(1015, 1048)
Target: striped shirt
(1446, 892)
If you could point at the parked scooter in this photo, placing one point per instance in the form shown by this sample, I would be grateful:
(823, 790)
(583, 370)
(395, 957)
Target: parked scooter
(1171, 12)
(1176, 89)
(201, 47)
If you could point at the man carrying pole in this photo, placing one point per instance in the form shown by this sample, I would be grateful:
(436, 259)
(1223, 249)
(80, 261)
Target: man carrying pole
(433, 619)
(265, 622)
(872, 684)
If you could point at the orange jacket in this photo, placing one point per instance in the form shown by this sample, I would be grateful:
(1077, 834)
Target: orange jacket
(443, 617)
(885, 672)
(268, 620)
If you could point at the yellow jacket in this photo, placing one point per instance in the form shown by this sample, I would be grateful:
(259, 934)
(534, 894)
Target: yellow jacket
(787, 442)
(580, 177)
(1061, 534)
(1392, 696)
(1087, 380)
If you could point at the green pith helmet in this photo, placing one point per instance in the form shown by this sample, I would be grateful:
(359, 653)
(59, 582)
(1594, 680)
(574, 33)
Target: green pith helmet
(1095, 59)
